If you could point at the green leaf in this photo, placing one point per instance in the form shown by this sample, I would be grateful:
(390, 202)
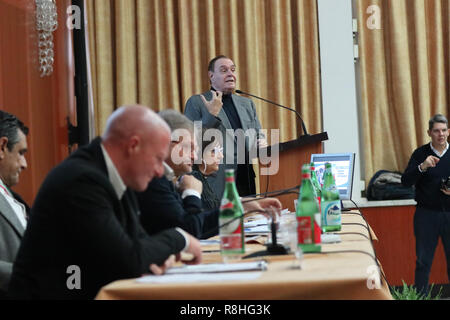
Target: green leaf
(410, 293)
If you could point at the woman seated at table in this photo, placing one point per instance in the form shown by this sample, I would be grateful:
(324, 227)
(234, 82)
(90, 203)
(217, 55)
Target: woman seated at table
(211, 154)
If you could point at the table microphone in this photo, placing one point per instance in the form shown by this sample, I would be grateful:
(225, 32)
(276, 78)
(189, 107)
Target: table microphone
(274, 248)
(278, 105)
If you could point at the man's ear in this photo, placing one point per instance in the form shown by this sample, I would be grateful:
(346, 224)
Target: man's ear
(210, 75)
(3, 147)
(134, 144)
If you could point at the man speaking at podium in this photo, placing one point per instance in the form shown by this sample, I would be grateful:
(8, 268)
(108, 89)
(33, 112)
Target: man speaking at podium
(221, 109)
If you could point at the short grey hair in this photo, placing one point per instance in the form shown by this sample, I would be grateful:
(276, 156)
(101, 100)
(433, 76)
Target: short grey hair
(437, 118)
(9, 128)
(176, 120)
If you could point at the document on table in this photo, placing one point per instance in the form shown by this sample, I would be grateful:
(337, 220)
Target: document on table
(254, 223)
(330, 238)
(219, 267)
(211, 272)
(200, 277)
(257, 229)
(259, 224)
(209, 242)
(256, 226)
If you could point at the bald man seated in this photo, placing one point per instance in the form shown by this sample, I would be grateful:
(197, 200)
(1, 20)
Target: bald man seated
(84, 230)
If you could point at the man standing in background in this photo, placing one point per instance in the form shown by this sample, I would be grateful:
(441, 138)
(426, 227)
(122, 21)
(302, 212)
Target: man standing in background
(428, 166)
(220, 109)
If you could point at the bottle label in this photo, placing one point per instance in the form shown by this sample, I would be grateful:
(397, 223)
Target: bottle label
(331, 213)
(308, 233)
(304, 230)
(230, 229)
(232, 241)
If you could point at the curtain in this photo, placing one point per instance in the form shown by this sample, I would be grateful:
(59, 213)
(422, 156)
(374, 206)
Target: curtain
(404, 64)
(156, 52)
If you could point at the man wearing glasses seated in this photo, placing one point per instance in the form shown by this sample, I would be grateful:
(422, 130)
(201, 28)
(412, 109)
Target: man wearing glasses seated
(177, 203)
(211, 155)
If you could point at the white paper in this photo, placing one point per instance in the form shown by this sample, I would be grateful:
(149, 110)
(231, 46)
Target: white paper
(257, 229)
(219, 267)
(330, 238)
(249, 238)
(254, 223)
(209, 242)
(200, 277)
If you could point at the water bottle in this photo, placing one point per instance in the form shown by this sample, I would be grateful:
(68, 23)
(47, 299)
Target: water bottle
(308, 215)
(330, 202)
(231, 220)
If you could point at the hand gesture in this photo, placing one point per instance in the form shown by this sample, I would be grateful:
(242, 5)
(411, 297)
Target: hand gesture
(193, 253)
(158, 270)
(430, 162)
(261, 204)
(262, 143)
(215, 105)
(189, 182)
(446, 191)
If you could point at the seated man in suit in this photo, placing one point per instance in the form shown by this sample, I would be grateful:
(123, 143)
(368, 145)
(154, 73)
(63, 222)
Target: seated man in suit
(84, 230)
(13, 210)
(177, 203)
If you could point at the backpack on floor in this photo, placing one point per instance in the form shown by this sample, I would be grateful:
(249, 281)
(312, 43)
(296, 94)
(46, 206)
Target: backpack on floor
(387, 185)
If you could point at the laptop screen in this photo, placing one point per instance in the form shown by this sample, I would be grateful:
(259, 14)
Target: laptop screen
(342, 166)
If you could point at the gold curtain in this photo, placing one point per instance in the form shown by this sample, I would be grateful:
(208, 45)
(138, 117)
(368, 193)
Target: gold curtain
(155, 52)
(405, 75)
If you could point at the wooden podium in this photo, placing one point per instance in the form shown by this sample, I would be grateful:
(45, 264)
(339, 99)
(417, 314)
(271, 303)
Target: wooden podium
(292, 155)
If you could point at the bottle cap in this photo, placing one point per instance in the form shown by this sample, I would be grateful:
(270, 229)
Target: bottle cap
(306, 171)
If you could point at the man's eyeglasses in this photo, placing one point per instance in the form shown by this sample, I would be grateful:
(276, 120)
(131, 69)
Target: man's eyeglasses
(217, 150)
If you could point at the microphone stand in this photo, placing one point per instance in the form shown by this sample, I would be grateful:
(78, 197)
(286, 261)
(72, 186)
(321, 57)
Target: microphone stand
(278, 105)
(274, 248)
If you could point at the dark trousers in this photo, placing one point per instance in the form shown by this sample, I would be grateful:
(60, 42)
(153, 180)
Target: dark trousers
(429, 225)
(245, 180)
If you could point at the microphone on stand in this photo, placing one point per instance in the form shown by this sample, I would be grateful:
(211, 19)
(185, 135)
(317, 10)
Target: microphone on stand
(278, 105)
(274, 248)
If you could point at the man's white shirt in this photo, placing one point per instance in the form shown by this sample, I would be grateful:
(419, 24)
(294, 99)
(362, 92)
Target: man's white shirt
(18, 208)
(120, 187)
(439, 154)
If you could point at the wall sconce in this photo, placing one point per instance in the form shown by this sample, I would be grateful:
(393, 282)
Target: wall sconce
(46, 23)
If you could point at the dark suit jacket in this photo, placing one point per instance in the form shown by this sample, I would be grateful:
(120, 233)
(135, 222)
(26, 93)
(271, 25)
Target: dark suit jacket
(78, 220)
(196, 111)
(162, 207)
(209, 197)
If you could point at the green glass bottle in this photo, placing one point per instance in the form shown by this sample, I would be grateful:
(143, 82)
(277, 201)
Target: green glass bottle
(308, 215)
(316, 184)
(231, 220)
(330, 202)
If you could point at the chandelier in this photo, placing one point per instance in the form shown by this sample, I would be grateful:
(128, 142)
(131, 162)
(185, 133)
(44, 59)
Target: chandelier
(46, 23)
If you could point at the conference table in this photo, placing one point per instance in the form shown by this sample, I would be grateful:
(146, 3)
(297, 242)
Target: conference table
(347, 269)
